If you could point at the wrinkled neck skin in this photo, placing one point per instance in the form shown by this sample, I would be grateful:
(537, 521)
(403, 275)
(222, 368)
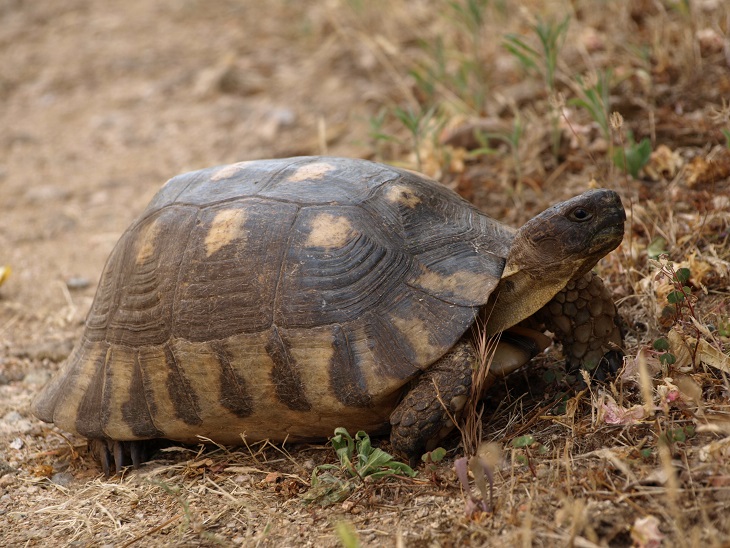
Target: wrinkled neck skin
(529, 281)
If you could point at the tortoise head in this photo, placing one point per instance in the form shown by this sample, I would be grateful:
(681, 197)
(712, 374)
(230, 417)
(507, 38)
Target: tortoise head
(560, 244)
(568, 239)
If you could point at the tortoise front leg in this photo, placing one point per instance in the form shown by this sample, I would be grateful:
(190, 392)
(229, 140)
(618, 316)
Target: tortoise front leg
(585, 320)
(424, 416)
(437, 398)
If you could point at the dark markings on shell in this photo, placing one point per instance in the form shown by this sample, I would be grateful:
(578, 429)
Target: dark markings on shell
(182, 395)
(287, 382)
(346, 378)
(234, 393)
(89, 416)
(139, 409)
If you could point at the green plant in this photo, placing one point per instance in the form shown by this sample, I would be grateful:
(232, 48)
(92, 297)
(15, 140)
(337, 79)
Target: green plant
(680, 297)
(524, 447)
(470, 77)
(633, 156)
(431, 458)
(680, 308)
(359, 461)
(657, 247)
(551, 36)
(512, 140)
(677, 435)
(594, 97)
(723, 327)
(377, 133)
(347, 534)
(661, 345)
(454, 72)
(418, 124)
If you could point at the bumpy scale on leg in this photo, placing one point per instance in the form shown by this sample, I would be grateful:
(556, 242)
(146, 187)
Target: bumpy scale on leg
(426, 413)
(584, 318)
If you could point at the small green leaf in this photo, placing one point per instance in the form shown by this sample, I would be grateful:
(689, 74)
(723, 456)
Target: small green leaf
(657, 247)
(678, 435)
(661, 344)
(523, 441)
(344, 446)
(646, 452)
(436, 455)
(683, 275)
(633, 157)
(676, 297)
(667, 358)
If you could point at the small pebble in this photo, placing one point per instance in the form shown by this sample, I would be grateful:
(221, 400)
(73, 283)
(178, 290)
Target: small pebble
(63, 479)
(77, 282)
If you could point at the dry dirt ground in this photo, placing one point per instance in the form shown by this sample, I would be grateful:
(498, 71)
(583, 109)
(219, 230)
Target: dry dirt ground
(101, 102)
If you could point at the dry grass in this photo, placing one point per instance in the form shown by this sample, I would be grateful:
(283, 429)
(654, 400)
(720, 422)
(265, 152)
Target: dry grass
(641, 460)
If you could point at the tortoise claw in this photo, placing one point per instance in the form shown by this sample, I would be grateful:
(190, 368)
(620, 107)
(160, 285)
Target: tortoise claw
(118, 449)
(137, 453)
(106, 460)
(609, 365)
(115, 455)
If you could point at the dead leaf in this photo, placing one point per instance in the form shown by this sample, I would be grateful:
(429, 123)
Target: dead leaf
(613, 413)
(683, 347)
(272, 477)
(664, 164)
(645, 532)
(718, 451)
(710, 169)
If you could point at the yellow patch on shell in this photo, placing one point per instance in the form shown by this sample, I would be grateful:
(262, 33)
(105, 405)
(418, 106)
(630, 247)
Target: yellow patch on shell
(226, 227)
(415, 331)
(329, 231)
(201, 367)
(311, 172)
(120, 384)
(401, 194)
(147, 242)
(228, 171)
(382, 385)
(312, 350)
(467, 285)
(80, 369)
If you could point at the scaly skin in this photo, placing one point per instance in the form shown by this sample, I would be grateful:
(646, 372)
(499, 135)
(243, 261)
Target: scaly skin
(584, 319)
(421, 419)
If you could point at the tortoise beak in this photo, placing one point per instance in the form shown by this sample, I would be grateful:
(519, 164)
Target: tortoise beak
(610, 231)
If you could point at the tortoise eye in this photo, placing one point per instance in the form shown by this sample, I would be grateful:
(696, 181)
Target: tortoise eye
(581, 215)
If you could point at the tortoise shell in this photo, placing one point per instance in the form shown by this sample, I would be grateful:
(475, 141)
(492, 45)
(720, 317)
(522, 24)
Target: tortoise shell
(276, 299)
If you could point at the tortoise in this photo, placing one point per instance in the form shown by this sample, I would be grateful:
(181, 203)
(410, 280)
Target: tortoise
(280, 299)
